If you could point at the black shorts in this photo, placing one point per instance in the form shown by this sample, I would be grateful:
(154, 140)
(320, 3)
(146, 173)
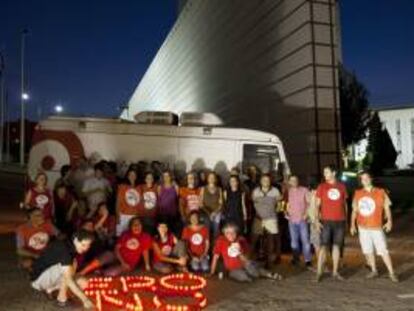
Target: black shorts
(333, 233)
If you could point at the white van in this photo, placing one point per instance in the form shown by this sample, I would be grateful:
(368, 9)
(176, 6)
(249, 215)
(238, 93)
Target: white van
(63, 140)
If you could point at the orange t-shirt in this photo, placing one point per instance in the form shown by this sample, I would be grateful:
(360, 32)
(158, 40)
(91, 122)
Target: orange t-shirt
(35, 239)
(129, 199)
(191, 199)
(370, 207)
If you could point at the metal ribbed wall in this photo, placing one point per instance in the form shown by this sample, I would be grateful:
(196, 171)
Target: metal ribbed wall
(264, 64)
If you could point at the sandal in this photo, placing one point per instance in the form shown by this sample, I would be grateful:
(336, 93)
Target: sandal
(62, 304)
(275, 276)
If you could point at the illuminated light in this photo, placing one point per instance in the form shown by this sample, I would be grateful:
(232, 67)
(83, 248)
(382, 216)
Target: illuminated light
(98, 301)
(25, 96)
(200, 303)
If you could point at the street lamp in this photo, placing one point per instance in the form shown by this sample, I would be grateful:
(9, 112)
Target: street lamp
(58, 109)
(25, 96)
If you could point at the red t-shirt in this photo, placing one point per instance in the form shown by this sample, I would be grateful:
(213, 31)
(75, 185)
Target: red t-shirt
(333, 198)
(35, 239)
(131, 247)
(166, 247)
(148, 204)
(44, 201)
(196, 240)
(231, 251)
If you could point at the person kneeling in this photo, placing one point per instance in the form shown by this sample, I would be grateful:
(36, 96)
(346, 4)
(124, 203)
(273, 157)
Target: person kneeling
(234, 250)
(55, 269)
(169, 252)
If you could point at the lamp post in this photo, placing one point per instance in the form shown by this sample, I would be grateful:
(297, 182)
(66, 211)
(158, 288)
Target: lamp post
(23, 99)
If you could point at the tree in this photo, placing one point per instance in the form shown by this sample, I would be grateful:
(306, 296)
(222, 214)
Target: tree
(381, 153)
(355, 115)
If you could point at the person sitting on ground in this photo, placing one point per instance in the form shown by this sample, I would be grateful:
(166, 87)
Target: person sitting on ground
(40, 196)
(197, 239)
(104, 224)
(67, 211)
(55, 269)
(130, 247)
(169, 252)
(33, 237)
(369, 205)
(96, 190)
(234, 249)
(128, 199)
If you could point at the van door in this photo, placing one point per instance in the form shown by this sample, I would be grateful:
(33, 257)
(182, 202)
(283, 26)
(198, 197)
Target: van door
(266, 157)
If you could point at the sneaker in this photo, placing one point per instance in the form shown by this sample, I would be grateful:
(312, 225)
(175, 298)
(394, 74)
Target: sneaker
(309, 267)
(338, 277)
(394, 278)
(318, 278)
(372, 275)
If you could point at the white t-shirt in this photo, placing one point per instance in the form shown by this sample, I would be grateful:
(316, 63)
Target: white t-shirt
(99, 189)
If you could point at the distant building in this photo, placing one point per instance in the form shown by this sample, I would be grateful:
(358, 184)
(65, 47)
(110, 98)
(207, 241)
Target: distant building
(260, 64)
(399, 122)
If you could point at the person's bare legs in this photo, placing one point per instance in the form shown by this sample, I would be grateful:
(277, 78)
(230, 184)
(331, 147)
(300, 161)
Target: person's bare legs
(388, 263)
(370, 258)
(321, 263)
(336, 256)
(62, 296)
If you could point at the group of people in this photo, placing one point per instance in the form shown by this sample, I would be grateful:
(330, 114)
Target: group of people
(94, 222)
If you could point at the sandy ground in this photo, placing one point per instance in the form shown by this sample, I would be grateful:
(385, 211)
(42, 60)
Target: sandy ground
(296, 292)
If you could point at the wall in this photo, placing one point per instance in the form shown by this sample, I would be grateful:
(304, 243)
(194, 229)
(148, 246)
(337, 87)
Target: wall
(261, 64)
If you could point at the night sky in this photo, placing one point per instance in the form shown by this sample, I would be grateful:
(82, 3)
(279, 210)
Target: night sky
(89, 55)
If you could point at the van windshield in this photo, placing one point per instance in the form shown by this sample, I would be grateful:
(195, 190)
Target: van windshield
(264, 157)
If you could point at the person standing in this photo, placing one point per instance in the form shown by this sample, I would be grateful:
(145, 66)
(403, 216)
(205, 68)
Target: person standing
(265, 199)
(189, 196)
(212, 203)
(148, 208)
(235, 204)
(368, 208)
(128, 200)
(331, 198)
(168, 211)
(298, 225)
(96, 190)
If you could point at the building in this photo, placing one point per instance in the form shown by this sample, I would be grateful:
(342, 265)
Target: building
(399, 122)
(262, 64)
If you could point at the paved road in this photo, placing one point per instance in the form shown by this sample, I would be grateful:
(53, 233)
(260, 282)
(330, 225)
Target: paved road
(297, 292)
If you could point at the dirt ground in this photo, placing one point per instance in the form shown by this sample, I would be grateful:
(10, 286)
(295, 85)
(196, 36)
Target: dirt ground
(296, 292)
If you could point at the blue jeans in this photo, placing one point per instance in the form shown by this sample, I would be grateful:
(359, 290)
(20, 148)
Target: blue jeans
(299, 236)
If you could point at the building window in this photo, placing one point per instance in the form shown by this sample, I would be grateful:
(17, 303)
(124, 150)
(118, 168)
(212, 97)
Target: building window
(398, 134)
(412, 139)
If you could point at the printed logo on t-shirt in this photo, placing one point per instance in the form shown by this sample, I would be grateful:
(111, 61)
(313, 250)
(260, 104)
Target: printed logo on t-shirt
(166, 250)
(132, 244)
(38, 241)
(150, 200)
(196, 239)
(366, 206)
(234, 250)
(193, 202)
(334, 194)
(132, 197)
(41, 200)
